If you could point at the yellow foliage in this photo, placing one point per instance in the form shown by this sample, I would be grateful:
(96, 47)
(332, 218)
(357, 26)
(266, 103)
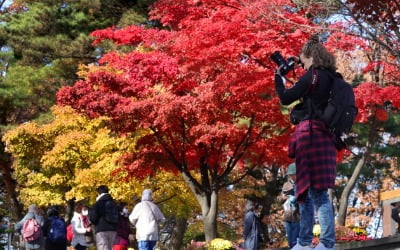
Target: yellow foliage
(220, 244)
(85, 70)
(72, 155)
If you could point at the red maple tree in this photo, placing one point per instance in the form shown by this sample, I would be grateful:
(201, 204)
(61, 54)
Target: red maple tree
(209, 106)
(197, 86)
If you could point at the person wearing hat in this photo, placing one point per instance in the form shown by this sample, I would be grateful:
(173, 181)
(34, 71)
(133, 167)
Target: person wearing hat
(145, 217)
(291, 216)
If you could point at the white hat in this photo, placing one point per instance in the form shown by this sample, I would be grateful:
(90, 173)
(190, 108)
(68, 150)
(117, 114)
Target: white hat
(146, 195)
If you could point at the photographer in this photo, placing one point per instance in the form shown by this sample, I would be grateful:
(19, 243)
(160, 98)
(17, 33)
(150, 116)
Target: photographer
(312, 144)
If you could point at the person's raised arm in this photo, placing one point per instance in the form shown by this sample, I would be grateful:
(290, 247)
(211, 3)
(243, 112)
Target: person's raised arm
(298, 90)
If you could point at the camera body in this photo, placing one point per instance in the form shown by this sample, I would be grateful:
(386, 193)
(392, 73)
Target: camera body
(285, 65)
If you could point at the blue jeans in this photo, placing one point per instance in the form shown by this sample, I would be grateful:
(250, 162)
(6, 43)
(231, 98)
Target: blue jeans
(323, 206)
(292, 232)
(147, 244)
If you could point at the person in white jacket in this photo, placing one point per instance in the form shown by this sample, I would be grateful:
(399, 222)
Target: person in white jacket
(145, 217)
(80, 228)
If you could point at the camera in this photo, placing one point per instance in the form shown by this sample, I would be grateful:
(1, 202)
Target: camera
(285, 65)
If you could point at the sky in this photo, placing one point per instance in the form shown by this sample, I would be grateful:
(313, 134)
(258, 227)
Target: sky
(8, 2)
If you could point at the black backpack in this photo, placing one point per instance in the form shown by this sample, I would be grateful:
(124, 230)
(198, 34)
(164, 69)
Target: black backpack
(111, 214)
(341, 111)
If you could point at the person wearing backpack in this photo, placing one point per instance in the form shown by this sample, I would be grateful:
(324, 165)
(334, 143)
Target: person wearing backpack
(312, 144)
(80, 228)
(55, 231)
(104, 216)
(31, 228)
(145, 217)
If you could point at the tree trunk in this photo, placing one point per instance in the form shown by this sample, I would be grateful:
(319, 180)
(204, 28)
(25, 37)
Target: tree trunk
(69, 211)
(10, 184)
(176, 240)
(341, 220)
(273, 190)
(208, 202)
(346, 191)
(210, 224)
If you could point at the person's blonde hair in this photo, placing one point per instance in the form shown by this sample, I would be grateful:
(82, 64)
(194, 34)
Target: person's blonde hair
(322, 58)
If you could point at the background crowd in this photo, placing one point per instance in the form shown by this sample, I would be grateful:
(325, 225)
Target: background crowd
(107, 225)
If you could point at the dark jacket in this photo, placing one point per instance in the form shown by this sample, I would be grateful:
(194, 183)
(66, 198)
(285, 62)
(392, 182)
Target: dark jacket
(96, 215)
(319, 93)
(49, 245)
(312, 144)
(123, 232)
(251, 231)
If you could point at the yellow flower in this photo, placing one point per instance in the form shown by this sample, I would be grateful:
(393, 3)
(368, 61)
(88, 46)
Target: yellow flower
(317, 230)
(359, 231)
(220, 244)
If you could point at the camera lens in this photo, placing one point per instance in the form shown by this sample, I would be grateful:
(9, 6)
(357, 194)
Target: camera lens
(278, 59)
(285, 66)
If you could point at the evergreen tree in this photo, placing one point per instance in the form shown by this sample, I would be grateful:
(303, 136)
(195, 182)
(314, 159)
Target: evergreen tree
(42, 44)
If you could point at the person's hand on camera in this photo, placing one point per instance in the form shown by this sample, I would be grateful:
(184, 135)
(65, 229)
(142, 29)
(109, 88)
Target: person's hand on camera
(278, 70)
(295, 59)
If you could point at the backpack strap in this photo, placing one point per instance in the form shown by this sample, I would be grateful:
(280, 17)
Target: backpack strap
(314, 81)
(152, 212)
(310, 105)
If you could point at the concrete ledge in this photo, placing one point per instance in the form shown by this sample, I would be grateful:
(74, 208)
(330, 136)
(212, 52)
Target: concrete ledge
(387, 243)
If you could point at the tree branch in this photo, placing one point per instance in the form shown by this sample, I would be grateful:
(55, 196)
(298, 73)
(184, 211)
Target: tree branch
(243, 146)
(166, 199)
(371, 36)
(2, 3)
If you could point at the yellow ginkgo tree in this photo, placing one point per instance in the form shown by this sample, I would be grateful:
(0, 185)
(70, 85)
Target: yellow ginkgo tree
(66, 159)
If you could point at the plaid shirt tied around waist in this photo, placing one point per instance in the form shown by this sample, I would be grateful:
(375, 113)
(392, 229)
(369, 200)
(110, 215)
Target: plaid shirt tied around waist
(312, 144)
